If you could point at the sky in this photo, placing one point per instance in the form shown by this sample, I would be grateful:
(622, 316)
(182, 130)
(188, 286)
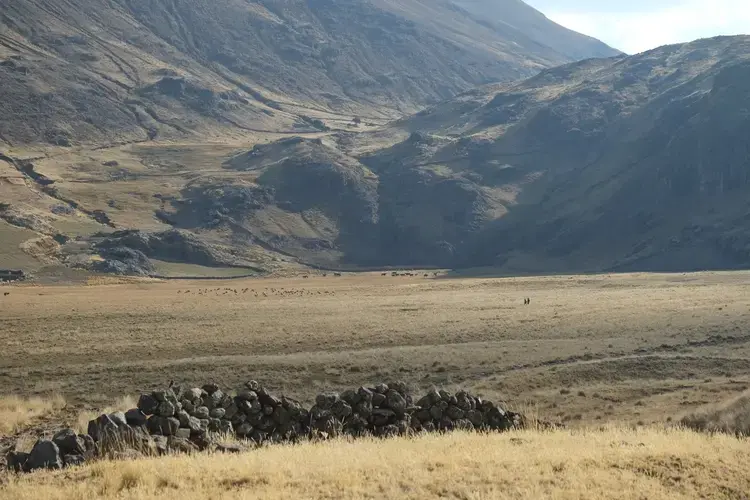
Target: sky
(637, 25)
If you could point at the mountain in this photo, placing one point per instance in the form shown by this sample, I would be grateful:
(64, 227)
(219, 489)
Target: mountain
(628, 163)
(94, 72)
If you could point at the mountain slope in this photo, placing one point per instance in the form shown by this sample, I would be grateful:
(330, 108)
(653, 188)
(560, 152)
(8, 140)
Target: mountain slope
(97, 71)
(636, 163)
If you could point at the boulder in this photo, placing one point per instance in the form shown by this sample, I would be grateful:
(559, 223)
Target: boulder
(183, 433)
(253, 386)
(118, 418)
(194, 425)
(230, 411)
(17, 461)
(396, 402)
(188, 406)
(184, 419)
(89, 445)
(157, 425)
(378, 399)
(44, 455)
(148, 404)
(173, 425)
(166, 409)
(135, 418)
(163, 395)
(455, 413)
(210, 388)
(247, 395)
(244, 430)
(101, 425)
(69, 443)
(217, 413)
(202, 412)
(193, 394)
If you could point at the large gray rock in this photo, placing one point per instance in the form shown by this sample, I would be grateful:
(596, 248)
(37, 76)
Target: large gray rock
(119, 419)
(182, 433)
(396, 402)
(88, 444)
(166, 409)
(100, 426)
(69, 443)
(44, 455)
(378, 399)
(210, 388)
(217, 413)
(202, 412)
(247, 395)
(193, 394)
(195, 425)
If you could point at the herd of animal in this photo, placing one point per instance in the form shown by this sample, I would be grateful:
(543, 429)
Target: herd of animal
(265, 292)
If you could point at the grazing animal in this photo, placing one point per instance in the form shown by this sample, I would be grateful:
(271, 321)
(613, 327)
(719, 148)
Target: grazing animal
(337, 274)
(6, 294)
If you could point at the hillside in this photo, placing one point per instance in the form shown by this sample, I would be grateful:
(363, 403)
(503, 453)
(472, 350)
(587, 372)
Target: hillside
(630, 163)
(102, 71)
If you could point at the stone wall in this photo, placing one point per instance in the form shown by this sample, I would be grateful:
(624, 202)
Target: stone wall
(183, 420)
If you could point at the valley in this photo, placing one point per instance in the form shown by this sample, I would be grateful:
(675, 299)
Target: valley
(588, 349)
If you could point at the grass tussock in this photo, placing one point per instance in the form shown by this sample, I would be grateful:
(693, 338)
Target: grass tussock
(605, 463)
(731, 417)
(16, 412)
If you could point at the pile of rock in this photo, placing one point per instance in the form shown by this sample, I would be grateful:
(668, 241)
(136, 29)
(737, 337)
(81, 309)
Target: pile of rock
(65, 449)
(439, 410)
(260, 416)
(377, 411)
(187, 420)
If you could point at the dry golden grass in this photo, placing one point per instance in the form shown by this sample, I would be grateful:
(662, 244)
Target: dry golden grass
(593, 349)
(16, 412)
(731, 417)
(597, 464)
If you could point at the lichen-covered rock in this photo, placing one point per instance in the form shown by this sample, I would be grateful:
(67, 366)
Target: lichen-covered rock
(166, 409)
(202, 412)
(217, 413)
